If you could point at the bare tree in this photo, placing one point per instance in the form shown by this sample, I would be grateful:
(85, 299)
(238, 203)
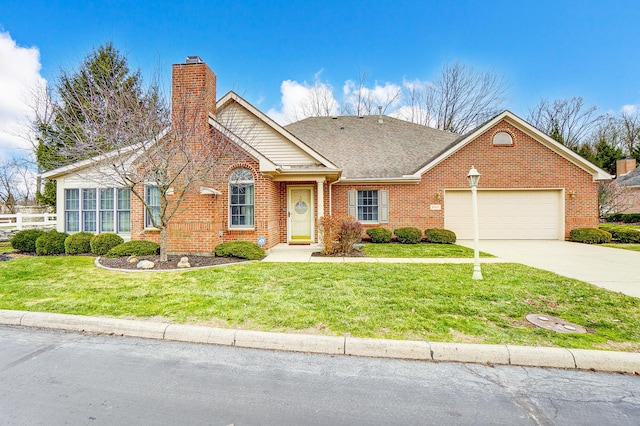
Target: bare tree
(16, 183)
(137, 141)
(629, 131)
(612, 198)
(458, 100)
(569, 121)
(361, 100)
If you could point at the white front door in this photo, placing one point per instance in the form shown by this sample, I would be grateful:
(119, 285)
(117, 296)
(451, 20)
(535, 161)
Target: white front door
(300, 214)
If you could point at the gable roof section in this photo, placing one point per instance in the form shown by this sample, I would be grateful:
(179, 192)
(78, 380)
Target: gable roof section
(372, 147)
(93, 161)
(266, 136)
(631, 179)
(543, 138)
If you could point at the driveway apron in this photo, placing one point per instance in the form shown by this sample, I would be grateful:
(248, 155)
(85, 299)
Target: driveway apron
(614, 269)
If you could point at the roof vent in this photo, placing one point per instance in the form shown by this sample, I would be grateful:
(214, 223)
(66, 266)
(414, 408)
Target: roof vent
(194, 60)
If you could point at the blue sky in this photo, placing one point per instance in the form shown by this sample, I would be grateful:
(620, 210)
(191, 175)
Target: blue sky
(545, 49)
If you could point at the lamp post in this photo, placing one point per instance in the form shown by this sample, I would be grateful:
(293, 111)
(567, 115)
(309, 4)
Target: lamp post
(474, 177)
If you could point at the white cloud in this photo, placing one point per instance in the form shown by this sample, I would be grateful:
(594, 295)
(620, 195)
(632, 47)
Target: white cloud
(302, 100)
(387, 96)
(629, 109)
(19, 77)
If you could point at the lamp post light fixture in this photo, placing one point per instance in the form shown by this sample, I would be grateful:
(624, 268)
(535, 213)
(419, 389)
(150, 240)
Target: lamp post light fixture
(474, 177)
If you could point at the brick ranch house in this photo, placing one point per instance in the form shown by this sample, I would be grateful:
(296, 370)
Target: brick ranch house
(381, 170)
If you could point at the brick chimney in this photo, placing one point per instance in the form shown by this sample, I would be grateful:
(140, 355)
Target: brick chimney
(624, 166)
(193, 95)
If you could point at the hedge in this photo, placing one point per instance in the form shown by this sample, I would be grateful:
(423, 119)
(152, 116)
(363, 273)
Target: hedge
(624, 235)
(408, 235)
(102, 243)
(240, 249)
(51, 243)
(134, 248)
(623, 217)
(379, 235)
(440, 236)
(78, 243)
(25, 241)
(590, 236)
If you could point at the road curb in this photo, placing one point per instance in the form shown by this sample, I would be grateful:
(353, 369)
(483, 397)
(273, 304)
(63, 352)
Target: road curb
(580, 359)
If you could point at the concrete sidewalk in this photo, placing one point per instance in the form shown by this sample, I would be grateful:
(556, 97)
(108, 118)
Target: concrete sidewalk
(619, 362)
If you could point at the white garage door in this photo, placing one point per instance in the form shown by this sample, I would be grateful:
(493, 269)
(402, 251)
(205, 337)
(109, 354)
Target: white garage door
(506, 215)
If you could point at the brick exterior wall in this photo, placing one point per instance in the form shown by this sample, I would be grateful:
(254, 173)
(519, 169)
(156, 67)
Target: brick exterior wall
(203, 220)
(526, 164)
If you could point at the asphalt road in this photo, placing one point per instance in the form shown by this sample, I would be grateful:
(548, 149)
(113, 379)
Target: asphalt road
(52, 377)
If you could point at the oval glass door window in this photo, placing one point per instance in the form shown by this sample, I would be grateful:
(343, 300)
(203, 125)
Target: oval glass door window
(301, 207)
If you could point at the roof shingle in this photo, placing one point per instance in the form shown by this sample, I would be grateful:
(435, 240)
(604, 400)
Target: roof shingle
(364, 147)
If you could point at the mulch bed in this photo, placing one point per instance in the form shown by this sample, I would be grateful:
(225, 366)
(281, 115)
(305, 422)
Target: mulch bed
(171, 263)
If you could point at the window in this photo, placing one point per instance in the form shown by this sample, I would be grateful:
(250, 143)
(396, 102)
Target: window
(72, 210)
(502, 139)
(106, 210)
(94, 210)
(371, 205)
(152, 197)
(241, 190)
(124, 211)
(89, 210)
(368, 206)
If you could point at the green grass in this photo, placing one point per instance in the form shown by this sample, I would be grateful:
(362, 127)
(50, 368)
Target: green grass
(5, 247)
(632, 247)
(418, 250)
(399, 301)
(619, 225)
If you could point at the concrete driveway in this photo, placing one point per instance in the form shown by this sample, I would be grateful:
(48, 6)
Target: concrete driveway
(613, 269)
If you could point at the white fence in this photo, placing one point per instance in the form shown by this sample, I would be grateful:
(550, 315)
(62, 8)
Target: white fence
(21, 221)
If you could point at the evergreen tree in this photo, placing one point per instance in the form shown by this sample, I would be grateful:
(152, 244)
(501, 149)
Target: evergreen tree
(103, 71)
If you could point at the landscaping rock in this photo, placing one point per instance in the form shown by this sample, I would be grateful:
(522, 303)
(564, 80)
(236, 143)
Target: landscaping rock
(145, 264)
(184, 262)
(133, 259)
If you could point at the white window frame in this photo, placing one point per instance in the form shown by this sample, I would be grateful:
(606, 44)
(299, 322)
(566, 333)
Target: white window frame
(382, 206)
(155, 209)
(242, 177)
(83, 207)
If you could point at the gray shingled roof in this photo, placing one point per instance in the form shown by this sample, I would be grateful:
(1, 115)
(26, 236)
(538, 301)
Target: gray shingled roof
(364, 148)
(630, 179)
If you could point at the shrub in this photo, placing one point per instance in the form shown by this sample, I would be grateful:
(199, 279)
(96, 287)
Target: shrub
(408, 235)
(590, 236)
(440, 236)
(330, 233)
(241, 249)
(379, 235)
(134, 248)
(616, 217)
(624, 235)
(631, 218)
(78, 243)
(51, 243)
(26, 240)
(102, 243)
(350, 235)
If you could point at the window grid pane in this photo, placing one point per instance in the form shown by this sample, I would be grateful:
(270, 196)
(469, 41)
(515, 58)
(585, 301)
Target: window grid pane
(152, 196)
(368, 206)
(241, 198)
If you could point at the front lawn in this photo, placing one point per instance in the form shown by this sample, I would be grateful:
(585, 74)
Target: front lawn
(418, 250)
(632, 247)
(400, 301)
(5, 247)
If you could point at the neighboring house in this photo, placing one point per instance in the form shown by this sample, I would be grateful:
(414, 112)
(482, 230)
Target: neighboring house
(381, 170)
(628, 176)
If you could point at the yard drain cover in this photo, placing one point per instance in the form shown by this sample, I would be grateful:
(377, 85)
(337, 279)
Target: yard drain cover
(554, 324)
